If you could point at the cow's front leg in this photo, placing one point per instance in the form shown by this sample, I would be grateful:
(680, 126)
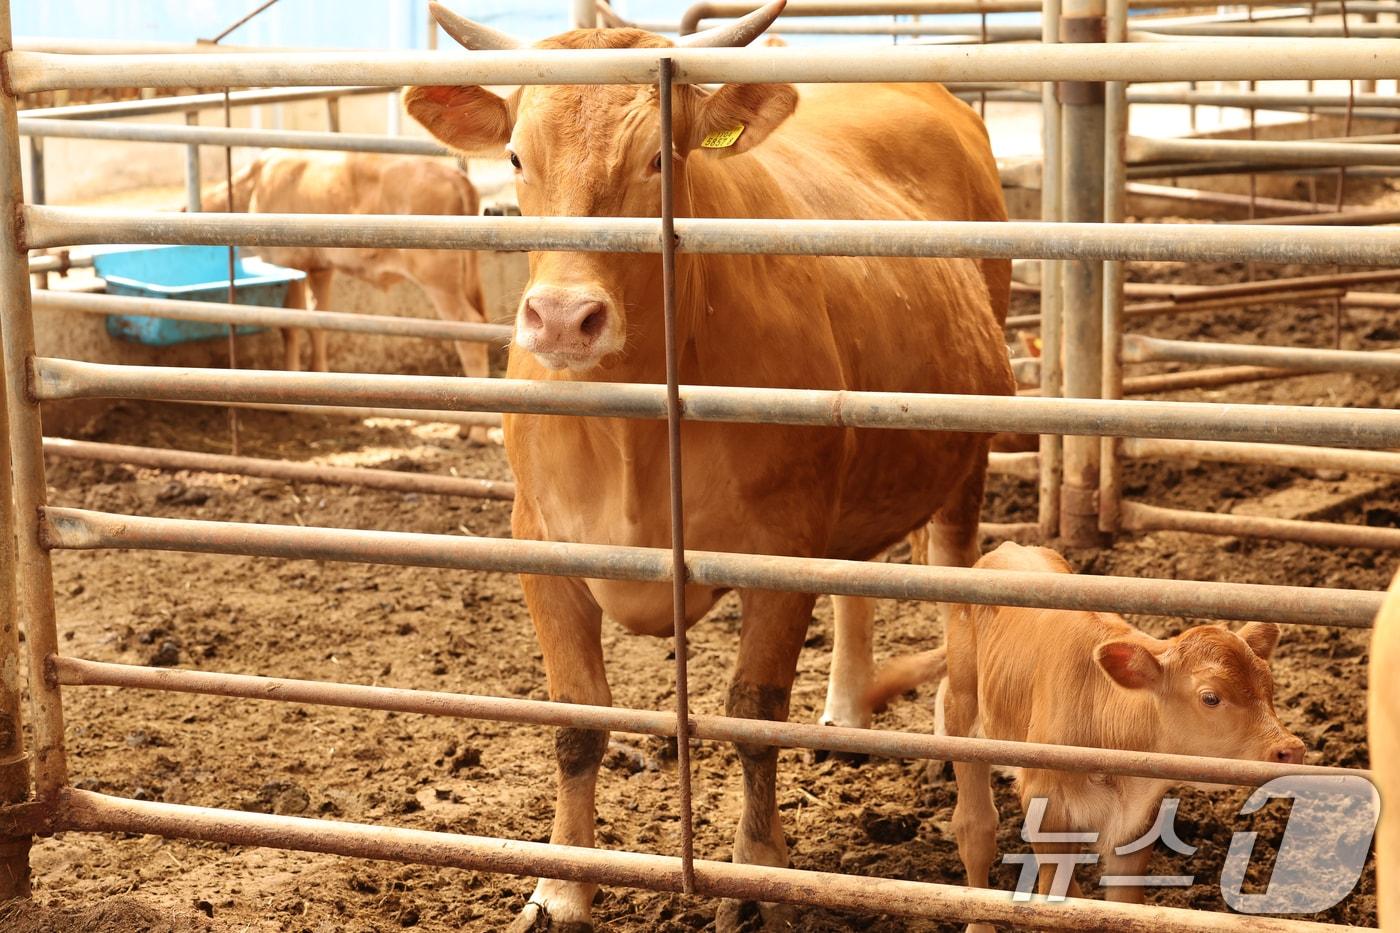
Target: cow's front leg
(774, 626)
(568, 623)
(852, 663)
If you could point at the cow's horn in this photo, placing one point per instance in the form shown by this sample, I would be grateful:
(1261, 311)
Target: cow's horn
(738, 33)
(608, 18)
(472, 35)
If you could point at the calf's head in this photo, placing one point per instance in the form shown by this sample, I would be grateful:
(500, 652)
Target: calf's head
(1210, 689)
(595, 151)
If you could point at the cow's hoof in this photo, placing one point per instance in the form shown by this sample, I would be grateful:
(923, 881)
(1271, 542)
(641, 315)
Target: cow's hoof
(752, 917)
(536, 919)
(818, 755)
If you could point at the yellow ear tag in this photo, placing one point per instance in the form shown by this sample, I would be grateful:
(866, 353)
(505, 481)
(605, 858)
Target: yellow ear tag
(723, 139)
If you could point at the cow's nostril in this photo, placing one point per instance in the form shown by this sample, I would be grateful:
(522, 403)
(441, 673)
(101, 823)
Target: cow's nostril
(532, 317)
(1289, 754)
(592, 325)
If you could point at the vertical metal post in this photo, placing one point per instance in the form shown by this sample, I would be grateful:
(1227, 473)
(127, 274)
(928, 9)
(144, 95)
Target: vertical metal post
(585, 14)
(192, 170)
(1082, 136)
(673, 436)
(38, 192)
(1051, 383)
(1115, 181)
(33, 574)
(333, 114)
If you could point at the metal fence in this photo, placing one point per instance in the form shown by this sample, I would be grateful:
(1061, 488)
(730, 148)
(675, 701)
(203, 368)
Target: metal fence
(32, 529)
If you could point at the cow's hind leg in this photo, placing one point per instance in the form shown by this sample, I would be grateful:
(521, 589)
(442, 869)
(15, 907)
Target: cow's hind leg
(292, 336)
(852, 667)
(568, 624)
(320, 282)
(774, 626)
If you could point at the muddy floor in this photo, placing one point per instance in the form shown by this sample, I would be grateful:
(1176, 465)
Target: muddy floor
(469, 632)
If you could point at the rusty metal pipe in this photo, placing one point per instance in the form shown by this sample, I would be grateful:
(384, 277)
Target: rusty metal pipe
(92, 812)
(1289, 455)
(84, 530)
(886, 744)
(66, 226)
(1283, 424)
(213, 312)
(442, 416)
(1140, 349)
(322, 474)
(1138, 516)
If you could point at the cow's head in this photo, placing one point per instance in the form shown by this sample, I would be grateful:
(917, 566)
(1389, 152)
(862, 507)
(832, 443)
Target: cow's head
(594, 151)
(1213, 693)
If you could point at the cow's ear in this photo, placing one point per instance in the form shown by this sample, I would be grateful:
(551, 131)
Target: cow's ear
(1262, 638)
(738, 117)
(469, 119)
(1131, 664)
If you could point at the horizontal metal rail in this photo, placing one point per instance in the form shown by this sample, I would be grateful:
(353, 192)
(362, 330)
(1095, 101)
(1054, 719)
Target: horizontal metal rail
(92, 812)
(1262, 151)
(1357, 218)
(319, 473)
(191, 102)
(66, 226)
(1253, 59)
(1289, 455)
(1371, 300)
(223, 136)
(1260, 100)
(886, 744)
(81, 530)
(1139, 349)
(1137, 516)
(1283, 424)
(443, 416)
(212, 312)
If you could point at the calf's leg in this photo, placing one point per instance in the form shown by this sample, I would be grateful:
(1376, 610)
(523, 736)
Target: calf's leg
(291, 336)
(451, 305)
(774, 626)
(975, 813)
(320, 282)
(568, 623)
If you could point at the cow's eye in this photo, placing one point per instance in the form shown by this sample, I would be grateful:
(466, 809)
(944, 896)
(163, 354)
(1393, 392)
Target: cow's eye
(515, 161)
(656, 163)
(1210, 699)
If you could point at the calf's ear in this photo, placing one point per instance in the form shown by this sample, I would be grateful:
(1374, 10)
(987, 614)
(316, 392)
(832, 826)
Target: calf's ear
(469, 119)
(738, 117)
(1262, 638)
(1129, 663)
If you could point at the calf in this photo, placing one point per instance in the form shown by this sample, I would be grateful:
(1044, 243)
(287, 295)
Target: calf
(1091, 679)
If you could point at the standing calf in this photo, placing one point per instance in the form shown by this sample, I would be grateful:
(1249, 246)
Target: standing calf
(1090, 679)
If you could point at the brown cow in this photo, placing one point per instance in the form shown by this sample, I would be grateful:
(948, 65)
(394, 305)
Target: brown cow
(875, 151)
(1384, 741)
(1091, 679)
(285, 182)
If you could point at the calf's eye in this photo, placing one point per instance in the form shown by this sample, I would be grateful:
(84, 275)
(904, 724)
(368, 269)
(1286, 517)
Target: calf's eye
(515, 161)
(1210, 699)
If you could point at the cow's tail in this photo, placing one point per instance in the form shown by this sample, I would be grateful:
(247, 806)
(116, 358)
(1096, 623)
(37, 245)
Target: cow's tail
(904, 674)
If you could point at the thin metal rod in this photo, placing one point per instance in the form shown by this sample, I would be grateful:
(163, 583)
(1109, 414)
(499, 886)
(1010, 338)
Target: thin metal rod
(1115, 194)
(231, 253)
(1140, 517)
(1051, 295)
(1359, 218)
(1371, 300)
(1025, 465)
(47, 227)
(34, 602)
(1139, 349)
(323, 474)
(193, 173)
(1270, 298)
(252, 13)
(81, 529)
(674, 482)
(1253, 59)
(76, 672)
(1283, 424)
(92, 812)
(188, 102)
(384, 325)
(1291, 455)
(223, 136)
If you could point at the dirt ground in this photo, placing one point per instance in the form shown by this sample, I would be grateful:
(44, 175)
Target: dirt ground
(469, 632)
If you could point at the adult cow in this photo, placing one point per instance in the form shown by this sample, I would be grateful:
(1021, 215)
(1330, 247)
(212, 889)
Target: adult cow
(285, 182)
(931, 325)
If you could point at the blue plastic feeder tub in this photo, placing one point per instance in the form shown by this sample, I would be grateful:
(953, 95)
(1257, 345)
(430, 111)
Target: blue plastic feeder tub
(186, 273)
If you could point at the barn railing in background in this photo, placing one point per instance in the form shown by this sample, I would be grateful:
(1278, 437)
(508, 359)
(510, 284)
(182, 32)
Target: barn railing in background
(38, 528)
